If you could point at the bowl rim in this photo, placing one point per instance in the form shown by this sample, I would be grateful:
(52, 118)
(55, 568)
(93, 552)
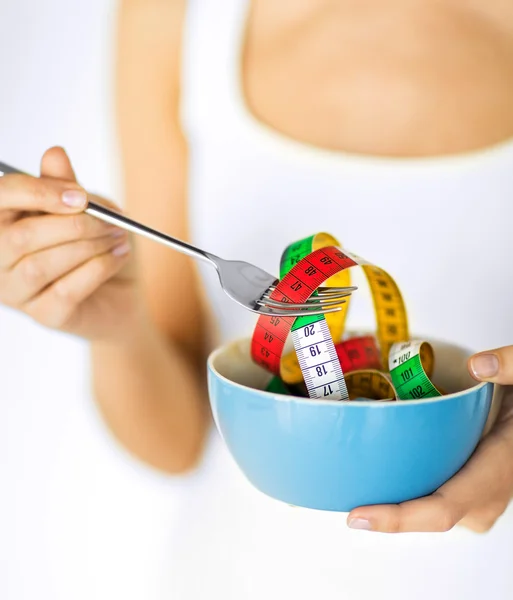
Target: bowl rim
(331, 403)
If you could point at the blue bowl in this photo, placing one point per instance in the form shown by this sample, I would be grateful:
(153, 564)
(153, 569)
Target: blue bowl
(339, 455)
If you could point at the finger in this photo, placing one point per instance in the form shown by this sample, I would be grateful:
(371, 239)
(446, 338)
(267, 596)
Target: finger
(493, 365)
(56, 164)
(482, 520)
(26, 193)
(34, 234)
(485, 481)
(433, 513)
(55, 306)
(37, 271)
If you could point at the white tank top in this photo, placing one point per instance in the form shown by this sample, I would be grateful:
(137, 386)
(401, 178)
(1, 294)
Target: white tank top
(441, 226)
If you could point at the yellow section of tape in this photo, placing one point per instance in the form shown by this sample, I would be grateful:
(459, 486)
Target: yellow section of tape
(370, 384)
(391, 319)
(427, 358)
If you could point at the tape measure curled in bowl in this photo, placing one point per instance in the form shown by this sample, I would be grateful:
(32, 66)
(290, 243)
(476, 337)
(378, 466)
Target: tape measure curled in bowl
(305, 265)
(411, 366)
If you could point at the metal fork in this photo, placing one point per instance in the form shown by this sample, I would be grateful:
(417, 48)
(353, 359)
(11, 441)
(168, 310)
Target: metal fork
(246, 284)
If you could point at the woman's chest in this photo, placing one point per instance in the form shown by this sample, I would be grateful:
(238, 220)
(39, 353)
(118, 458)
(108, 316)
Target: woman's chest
(394, 78)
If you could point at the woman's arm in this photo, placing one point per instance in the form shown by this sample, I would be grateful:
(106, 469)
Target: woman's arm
(152, 391)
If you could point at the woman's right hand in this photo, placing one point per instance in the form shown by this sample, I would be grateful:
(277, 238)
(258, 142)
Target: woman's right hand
(60, 266)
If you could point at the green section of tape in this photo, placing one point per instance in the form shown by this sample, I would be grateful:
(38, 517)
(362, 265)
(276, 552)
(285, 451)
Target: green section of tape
(276, 386)
(411, 382)
(304, 321)
(292, 255)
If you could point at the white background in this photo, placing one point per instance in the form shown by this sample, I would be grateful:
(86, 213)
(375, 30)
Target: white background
(78, 518)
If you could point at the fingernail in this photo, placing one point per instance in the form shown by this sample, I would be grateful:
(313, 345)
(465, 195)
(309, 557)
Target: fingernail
(484, 366)
(117, 233)
(122, 249)
(74, 198)
(360, 524)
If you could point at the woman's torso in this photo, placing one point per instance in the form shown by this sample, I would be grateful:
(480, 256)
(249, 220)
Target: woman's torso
(439, 225)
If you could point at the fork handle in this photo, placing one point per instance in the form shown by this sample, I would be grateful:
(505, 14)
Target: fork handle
(114, 218)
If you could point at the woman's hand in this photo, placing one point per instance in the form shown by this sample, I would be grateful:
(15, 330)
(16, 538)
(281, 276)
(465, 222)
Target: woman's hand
(65, 269)
(476, 496)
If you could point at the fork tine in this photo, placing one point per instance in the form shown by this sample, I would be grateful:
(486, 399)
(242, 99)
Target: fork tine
(328, 291)
(325, 299)
(304, 308)
(274, 312)
(328, 301)
(304, 305)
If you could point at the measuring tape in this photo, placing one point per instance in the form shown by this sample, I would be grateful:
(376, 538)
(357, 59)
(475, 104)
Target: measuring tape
(387, 367)
(411, 365)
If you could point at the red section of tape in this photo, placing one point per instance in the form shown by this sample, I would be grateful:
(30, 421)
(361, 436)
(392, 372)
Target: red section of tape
(297, 286)
(358, 353)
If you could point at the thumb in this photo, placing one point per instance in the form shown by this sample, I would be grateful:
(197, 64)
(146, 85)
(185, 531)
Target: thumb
(493, 365)
(56, 164)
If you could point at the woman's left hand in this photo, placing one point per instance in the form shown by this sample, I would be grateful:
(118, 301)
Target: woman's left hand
(478, 494)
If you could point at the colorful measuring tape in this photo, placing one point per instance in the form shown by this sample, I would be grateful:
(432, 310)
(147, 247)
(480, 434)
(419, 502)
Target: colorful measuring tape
(330, 367)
